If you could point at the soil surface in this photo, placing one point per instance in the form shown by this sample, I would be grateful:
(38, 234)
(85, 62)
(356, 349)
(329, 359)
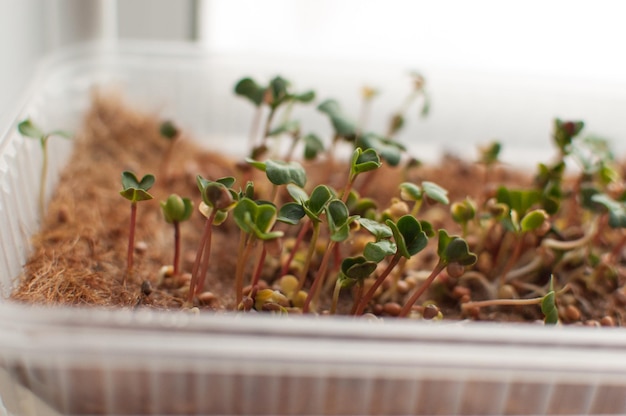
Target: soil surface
(79, 257)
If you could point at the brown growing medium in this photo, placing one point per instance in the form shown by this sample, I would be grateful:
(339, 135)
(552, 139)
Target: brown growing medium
(79, 257)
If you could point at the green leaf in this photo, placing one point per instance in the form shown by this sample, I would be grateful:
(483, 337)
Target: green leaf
(408, 235)
(289, 127)
(280, 172)
(248, 88)
(256, 219)
(291, 213)
(453, 249)
(278, 87)
(135, 190)
(464, 211)
(548, 306)
(410, 192)
(176, 209)
(168, 130)
(389, 150)
(364, 161)
(298, 194)
(305, 97)
(435, 192)
(216, 194)
(378, 250)
(564, 132)
(29, 129)
(356, 268)
(533, 220)
(489, 154)
(313, 146)
(519, 200)
(378, 230)
(617, 210)
(427, 228)
(320, 196)
(339, 220)
(343, 125)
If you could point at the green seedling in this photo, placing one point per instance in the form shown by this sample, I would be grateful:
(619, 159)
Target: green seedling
(217, 200)
(453, 253)
(176, 210)
(564, 133)
(397, 119)
(489, 157)
(292, 212)
(463, 212)
(256, 220)
(135, 191)
(171, 133)
(546, 302)
(275, 95)
(339, 221)
(521, 220)
(354, 270)
(361, 161)
(280, 173)
(28, 129)
(411, 192)
(409, 239)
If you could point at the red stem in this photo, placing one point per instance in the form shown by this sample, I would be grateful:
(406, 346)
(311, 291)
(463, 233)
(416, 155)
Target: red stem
(176, 247)
(196, 264)
(296, 246)
(131, 240)
(379, 281)
(409, 304)
(318, 277)
(259, 267)
(205, 259)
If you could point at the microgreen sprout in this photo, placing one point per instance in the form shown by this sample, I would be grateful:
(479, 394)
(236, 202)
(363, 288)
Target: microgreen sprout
(170, 132)
(134, 190)
(409, 239)
(412, 192)
(275, 95)
(256, 220)
(546, 302)
(217, 200)
(292, 212)
(397, 119)
(339, 221)
(176, 210)
(362, 161)
(279, 172)
(29, 129)
(453, 254)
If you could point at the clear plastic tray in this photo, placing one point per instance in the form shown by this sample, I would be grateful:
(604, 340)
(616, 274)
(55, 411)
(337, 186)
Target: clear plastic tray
(87, 361)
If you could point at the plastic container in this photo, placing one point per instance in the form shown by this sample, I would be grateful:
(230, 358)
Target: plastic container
(87, 361)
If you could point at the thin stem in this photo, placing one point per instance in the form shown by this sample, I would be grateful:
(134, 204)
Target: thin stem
(296, 245)
(176, 247)
(44, 174)
(379, 281)
(243, 260)
(309, 255)
(319, 277)
(572, 244)
(256, 125)
(348, 188)
(259, 266)
(517, 249)
(205, 259)
(336, 291)
(131, 240)
(196, 264)
(243, 237)
(501, 302)
(406, 309)
(357, 298)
